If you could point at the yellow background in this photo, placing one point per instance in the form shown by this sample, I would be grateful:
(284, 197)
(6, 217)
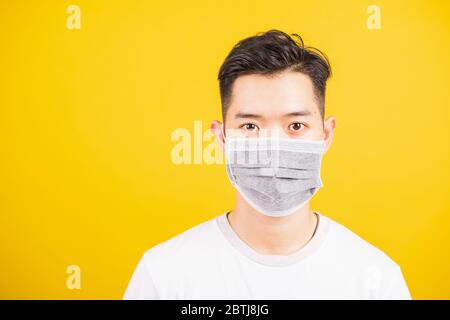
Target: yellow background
(86, 116)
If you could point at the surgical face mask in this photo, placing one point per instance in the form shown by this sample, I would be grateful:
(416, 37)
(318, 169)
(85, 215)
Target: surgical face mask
(276, 176)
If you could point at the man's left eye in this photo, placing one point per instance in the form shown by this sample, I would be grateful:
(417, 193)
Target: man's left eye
(296, 126)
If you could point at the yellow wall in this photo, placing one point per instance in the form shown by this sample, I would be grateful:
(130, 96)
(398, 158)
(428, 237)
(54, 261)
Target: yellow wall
(86, 117)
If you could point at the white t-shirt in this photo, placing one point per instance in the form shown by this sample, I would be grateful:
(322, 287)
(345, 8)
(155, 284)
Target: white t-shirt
(209, 261)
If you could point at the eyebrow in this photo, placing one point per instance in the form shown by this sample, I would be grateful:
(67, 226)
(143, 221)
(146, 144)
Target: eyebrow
(242, 115)
(303, 113)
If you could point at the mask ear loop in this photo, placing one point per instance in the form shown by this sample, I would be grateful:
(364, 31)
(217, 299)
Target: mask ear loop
(225, 140)
(323, 126)
(222, 129)
(228, 157)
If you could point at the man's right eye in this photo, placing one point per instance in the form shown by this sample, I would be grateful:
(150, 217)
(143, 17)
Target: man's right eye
(250, 126)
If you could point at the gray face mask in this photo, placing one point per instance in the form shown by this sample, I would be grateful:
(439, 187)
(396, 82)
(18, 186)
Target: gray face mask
(276, 176)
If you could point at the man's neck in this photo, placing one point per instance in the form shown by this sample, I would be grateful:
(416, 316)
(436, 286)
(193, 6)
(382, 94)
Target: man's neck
(273, 235)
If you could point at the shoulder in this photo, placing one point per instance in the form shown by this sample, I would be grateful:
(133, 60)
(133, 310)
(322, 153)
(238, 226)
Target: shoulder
(162, 267)
(196, 241)
(350, 246)
(380, 277)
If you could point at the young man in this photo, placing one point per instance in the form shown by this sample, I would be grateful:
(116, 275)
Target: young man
(272, 245)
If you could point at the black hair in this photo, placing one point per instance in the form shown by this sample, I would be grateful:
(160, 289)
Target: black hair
(269, 53)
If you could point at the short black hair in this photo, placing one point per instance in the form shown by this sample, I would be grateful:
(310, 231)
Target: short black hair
(269, 53)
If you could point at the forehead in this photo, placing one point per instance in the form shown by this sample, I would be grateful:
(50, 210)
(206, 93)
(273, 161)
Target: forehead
(273, 95)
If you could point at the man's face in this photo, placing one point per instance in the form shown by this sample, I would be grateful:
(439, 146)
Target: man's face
(284, 105)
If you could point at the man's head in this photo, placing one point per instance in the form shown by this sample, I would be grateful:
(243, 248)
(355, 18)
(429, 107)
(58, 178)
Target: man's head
(272, 81)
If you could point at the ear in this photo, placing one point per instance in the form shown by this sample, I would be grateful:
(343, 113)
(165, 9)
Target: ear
(216, 129)
(328, 129)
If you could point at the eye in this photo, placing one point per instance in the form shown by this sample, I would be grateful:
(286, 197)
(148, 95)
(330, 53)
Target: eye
(250, 126)
(296, 126)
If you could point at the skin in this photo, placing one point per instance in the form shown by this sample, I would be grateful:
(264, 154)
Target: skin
(285, 104)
